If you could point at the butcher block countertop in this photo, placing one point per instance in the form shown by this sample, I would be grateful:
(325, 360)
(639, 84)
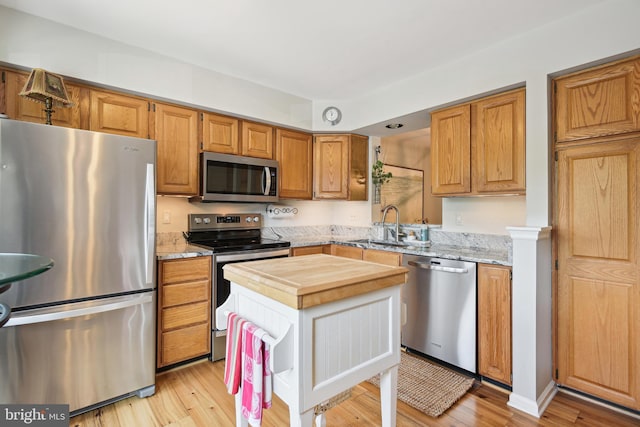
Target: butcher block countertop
(305, 281)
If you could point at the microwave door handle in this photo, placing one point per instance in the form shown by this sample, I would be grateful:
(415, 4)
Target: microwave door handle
(266, 186)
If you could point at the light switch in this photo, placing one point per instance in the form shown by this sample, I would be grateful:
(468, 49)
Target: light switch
(166, 217)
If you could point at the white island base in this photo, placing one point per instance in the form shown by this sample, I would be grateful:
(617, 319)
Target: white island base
(326, 349)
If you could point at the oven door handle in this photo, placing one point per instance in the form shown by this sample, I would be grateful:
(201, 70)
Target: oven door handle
(266, 181)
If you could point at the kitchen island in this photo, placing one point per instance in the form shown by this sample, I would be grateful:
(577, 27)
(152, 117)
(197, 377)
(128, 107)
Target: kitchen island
(335, 322)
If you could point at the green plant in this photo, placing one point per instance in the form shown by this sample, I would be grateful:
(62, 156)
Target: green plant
(378, 175)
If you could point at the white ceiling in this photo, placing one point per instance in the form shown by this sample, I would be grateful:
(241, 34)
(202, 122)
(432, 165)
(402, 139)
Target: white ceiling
(319, 50)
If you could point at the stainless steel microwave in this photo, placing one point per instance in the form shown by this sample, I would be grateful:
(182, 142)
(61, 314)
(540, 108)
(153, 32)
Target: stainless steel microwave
(229, 178)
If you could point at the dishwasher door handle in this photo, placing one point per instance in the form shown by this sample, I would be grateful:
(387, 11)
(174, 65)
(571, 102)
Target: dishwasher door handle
(425, 266)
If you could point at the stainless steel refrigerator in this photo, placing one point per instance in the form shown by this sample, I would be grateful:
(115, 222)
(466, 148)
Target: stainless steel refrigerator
(83, 333)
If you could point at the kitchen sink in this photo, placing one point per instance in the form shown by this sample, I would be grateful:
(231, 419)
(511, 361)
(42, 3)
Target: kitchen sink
(402, 244)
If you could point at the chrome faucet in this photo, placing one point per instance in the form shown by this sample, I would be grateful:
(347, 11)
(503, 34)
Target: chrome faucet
(384, 217)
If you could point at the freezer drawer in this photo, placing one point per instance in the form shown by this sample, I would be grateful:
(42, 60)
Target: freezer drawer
(79, 354)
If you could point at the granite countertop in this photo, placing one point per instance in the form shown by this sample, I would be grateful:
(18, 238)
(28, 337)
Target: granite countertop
(307, 281)
(482, 255)
(180, 250)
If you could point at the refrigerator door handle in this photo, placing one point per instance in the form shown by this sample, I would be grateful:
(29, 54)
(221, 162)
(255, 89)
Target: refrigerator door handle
(149, 225)
(54, 313)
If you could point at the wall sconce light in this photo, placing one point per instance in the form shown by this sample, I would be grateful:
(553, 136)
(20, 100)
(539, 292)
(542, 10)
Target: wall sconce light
(46, 87)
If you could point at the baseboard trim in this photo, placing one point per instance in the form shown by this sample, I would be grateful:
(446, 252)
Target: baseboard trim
(533, 407)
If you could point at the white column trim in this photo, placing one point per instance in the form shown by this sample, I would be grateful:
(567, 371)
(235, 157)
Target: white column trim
(532, 386)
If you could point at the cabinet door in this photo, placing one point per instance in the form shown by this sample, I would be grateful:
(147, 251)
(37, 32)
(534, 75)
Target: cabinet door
(176, 130)
(257, 140)
(310, 250)
(600, 102)
(294, 152)
(346, 251)
(451, 151)
(119, 114)
(331, 166)
(498, 143)
(598, 270)
(494, 322)
(358, 167)
(382, 257)
(220, 134)
(21, 108)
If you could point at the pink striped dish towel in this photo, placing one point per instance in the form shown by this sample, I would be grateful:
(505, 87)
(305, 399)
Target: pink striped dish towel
(256, 377)
(232, 366)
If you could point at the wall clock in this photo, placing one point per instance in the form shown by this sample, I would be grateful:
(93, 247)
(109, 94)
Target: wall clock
(332, 115)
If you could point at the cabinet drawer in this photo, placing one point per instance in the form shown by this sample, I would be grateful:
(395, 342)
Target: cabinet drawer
(184, 344)
(184, 293)
(185, 270)
(183, 315)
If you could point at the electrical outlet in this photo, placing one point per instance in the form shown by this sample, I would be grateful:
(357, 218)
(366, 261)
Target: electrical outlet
(459, 219)
(166, 217)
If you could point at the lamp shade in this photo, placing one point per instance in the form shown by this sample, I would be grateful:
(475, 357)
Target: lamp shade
(43, 85)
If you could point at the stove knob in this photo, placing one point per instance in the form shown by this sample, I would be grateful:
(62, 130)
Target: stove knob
(247, 219)
(256, 219)
(197, 220)
(207, 220)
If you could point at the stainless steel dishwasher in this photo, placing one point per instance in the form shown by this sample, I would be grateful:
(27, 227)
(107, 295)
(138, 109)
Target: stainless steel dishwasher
(440, 302)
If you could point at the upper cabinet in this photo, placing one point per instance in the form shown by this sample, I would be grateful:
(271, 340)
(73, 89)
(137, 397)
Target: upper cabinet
(340, 167)
(176, 130)
(257, 140)
(220, 133)
(20, 108)
(119, 114)
(451, 150)
(601, 102)
(228, 135)
(479, 148)
(294, 153)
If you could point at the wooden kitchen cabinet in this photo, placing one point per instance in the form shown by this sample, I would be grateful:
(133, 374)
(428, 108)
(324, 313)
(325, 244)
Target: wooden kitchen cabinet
(220, 134)
(347, 251)
(597, 265)
(176, 131)
(184, 309)
(599, 102)
(294, 153)
(382, 257)
(479, 148)
(118, 113)
(494, 322)
(257, 140)
(310, 250)
(340, 167)
(20, 108)
(451, 151)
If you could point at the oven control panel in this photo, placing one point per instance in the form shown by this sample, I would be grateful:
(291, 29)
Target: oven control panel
(207, 221)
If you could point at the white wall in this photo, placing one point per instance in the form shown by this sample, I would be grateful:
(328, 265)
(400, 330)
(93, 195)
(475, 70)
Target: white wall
(311, 213)
(30, 42)
(490, 215)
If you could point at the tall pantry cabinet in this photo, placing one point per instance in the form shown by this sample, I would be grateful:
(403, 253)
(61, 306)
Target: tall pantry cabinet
(597, 244)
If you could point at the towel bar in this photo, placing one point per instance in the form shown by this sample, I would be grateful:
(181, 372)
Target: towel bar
(281, 348)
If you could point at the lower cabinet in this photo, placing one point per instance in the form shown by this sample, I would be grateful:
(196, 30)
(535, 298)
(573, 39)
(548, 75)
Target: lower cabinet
(347, 251)
(372, 255)
(494, 322)
(184, 309)
(383, 257)
(310, 250)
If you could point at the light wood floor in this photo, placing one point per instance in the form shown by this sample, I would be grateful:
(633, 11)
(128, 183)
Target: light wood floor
(195, 395)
